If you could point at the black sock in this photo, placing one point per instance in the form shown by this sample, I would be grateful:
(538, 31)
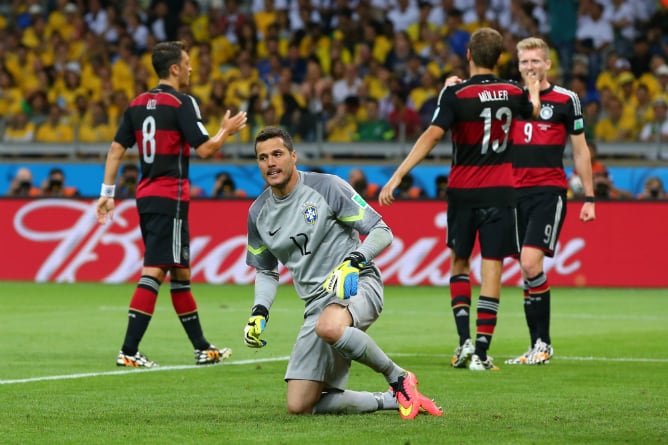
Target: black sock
(488, 309)
(540, 300)
(186, 308)
(460, 294)
(530, 314)
(141, 310)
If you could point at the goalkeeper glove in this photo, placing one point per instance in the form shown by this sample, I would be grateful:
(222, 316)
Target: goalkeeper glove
(256, 324)
(344, 279)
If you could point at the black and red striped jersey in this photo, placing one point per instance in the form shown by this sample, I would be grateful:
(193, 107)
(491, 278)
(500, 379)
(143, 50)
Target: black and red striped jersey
(164, 124)
(538, 145)
(479, 113)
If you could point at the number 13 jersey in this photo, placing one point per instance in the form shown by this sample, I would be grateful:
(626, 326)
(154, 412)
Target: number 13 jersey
(479, 112)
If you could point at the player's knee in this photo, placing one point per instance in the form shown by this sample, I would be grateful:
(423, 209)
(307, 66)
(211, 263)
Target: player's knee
(299, 407)
(529, 267)
(332, 322)
(328, 329)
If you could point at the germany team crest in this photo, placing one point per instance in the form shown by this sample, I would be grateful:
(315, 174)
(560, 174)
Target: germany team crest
(546, 112)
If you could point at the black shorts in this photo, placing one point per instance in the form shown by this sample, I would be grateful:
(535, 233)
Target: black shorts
(540, 218)
(496, 227)
(166, 240)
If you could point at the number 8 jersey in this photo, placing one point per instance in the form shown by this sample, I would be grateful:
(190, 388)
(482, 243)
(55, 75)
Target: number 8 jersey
(164, 124)
(479, 112)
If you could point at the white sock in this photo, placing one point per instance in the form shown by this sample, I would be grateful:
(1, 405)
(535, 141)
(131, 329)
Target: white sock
(346, 402)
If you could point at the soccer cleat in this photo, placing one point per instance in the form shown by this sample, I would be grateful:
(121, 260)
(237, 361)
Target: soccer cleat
(542, 353)
(138, 360)
(211, 355)
(479, 365)
(408, 397)
(523, 359)
(429, 406)
(462, 354)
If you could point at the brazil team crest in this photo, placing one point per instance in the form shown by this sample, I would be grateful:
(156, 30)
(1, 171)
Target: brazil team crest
(310, 213)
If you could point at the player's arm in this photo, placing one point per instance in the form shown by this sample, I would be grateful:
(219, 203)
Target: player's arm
(378, 239)
(422, 147)
(265, 264)
(105, 204)
(228, 126)
(266, 286)
(582, 161)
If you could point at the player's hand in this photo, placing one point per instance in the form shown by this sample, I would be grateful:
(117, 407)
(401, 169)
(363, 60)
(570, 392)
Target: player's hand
(344, 279)
(252, 331)
(452, 80)
(104, 210)
(588, 212)
(386, 195)
(255, 326)
(232, 124)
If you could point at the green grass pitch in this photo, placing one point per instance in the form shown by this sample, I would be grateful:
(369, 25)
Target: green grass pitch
(607, 384)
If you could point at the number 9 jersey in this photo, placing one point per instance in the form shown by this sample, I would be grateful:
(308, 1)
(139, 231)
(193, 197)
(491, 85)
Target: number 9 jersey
(539, 144)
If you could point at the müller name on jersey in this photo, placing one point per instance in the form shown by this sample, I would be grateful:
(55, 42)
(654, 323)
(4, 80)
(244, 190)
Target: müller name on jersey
(488, 96)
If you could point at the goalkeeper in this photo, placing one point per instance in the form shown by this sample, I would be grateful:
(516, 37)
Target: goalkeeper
(310, 222)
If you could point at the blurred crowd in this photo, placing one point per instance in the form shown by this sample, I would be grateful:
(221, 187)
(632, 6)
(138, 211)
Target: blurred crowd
(332, 70)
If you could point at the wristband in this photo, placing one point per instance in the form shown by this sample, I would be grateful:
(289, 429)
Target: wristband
(108, 190)
(259, 309)
(589, 199)
(356, 260)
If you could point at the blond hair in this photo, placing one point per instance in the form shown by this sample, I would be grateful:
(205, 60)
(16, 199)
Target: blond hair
(534, 43)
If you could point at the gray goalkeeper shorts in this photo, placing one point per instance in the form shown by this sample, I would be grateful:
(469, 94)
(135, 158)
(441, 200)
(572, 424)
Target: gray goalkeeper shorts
(312, 358)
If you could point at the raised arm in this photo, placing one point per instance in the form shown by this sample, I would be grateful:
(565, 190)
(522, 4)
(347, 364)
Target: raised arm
(422, 147)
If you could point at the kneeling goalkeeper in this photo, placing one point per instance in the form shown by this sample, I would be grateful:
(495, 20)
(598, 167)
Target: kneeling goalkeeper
(310, 222)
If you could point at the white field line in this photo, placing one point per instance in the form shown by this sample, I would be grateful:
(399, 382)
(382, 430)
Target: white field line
(285, 358)
(134, 371)
(429, 312)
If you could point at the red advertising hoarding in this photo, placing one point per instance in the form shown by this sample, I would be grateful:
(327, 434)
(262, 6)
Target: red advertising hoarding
(60, 241)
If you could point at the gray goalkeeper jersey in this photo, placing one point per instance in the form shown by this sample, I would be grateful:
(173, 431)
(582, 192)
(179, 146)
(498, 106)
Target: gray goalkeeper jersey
(310, 231)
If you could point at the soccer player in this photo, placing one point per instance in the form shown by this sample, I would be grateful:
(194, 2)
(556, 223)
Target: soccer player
(541, 189)
(481, 198)
(310, 222)
(165, 124)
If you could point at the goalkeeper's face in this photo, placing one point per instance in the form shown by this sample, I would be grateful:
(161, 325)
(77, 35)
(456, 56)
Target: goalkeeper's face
(278, 165)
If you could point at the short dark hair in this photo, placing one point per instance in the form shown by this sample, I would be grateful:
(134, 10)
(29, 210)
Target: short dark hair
(129, 168)
(275, 132)
(486, 46)
(56, 171)
(166, 54)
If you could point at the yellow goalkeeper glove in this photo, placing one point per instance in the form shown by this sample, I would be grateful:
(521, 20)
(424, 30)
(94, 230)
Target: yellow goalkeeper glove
(344, 279)
(255, 326)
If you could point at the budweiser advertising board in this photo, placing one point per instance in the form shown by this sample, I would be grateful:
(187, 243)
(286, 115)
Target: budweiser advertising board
(60, 241)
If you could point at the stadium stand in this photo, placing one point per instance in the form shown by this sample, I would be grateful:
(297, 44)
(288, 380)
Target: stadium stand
(68, 69)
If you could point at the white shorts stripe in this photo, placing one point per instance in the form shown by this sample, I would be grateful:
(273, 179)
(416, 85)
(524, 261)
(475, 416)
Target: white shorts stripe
(176, 240)
(557, 218)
